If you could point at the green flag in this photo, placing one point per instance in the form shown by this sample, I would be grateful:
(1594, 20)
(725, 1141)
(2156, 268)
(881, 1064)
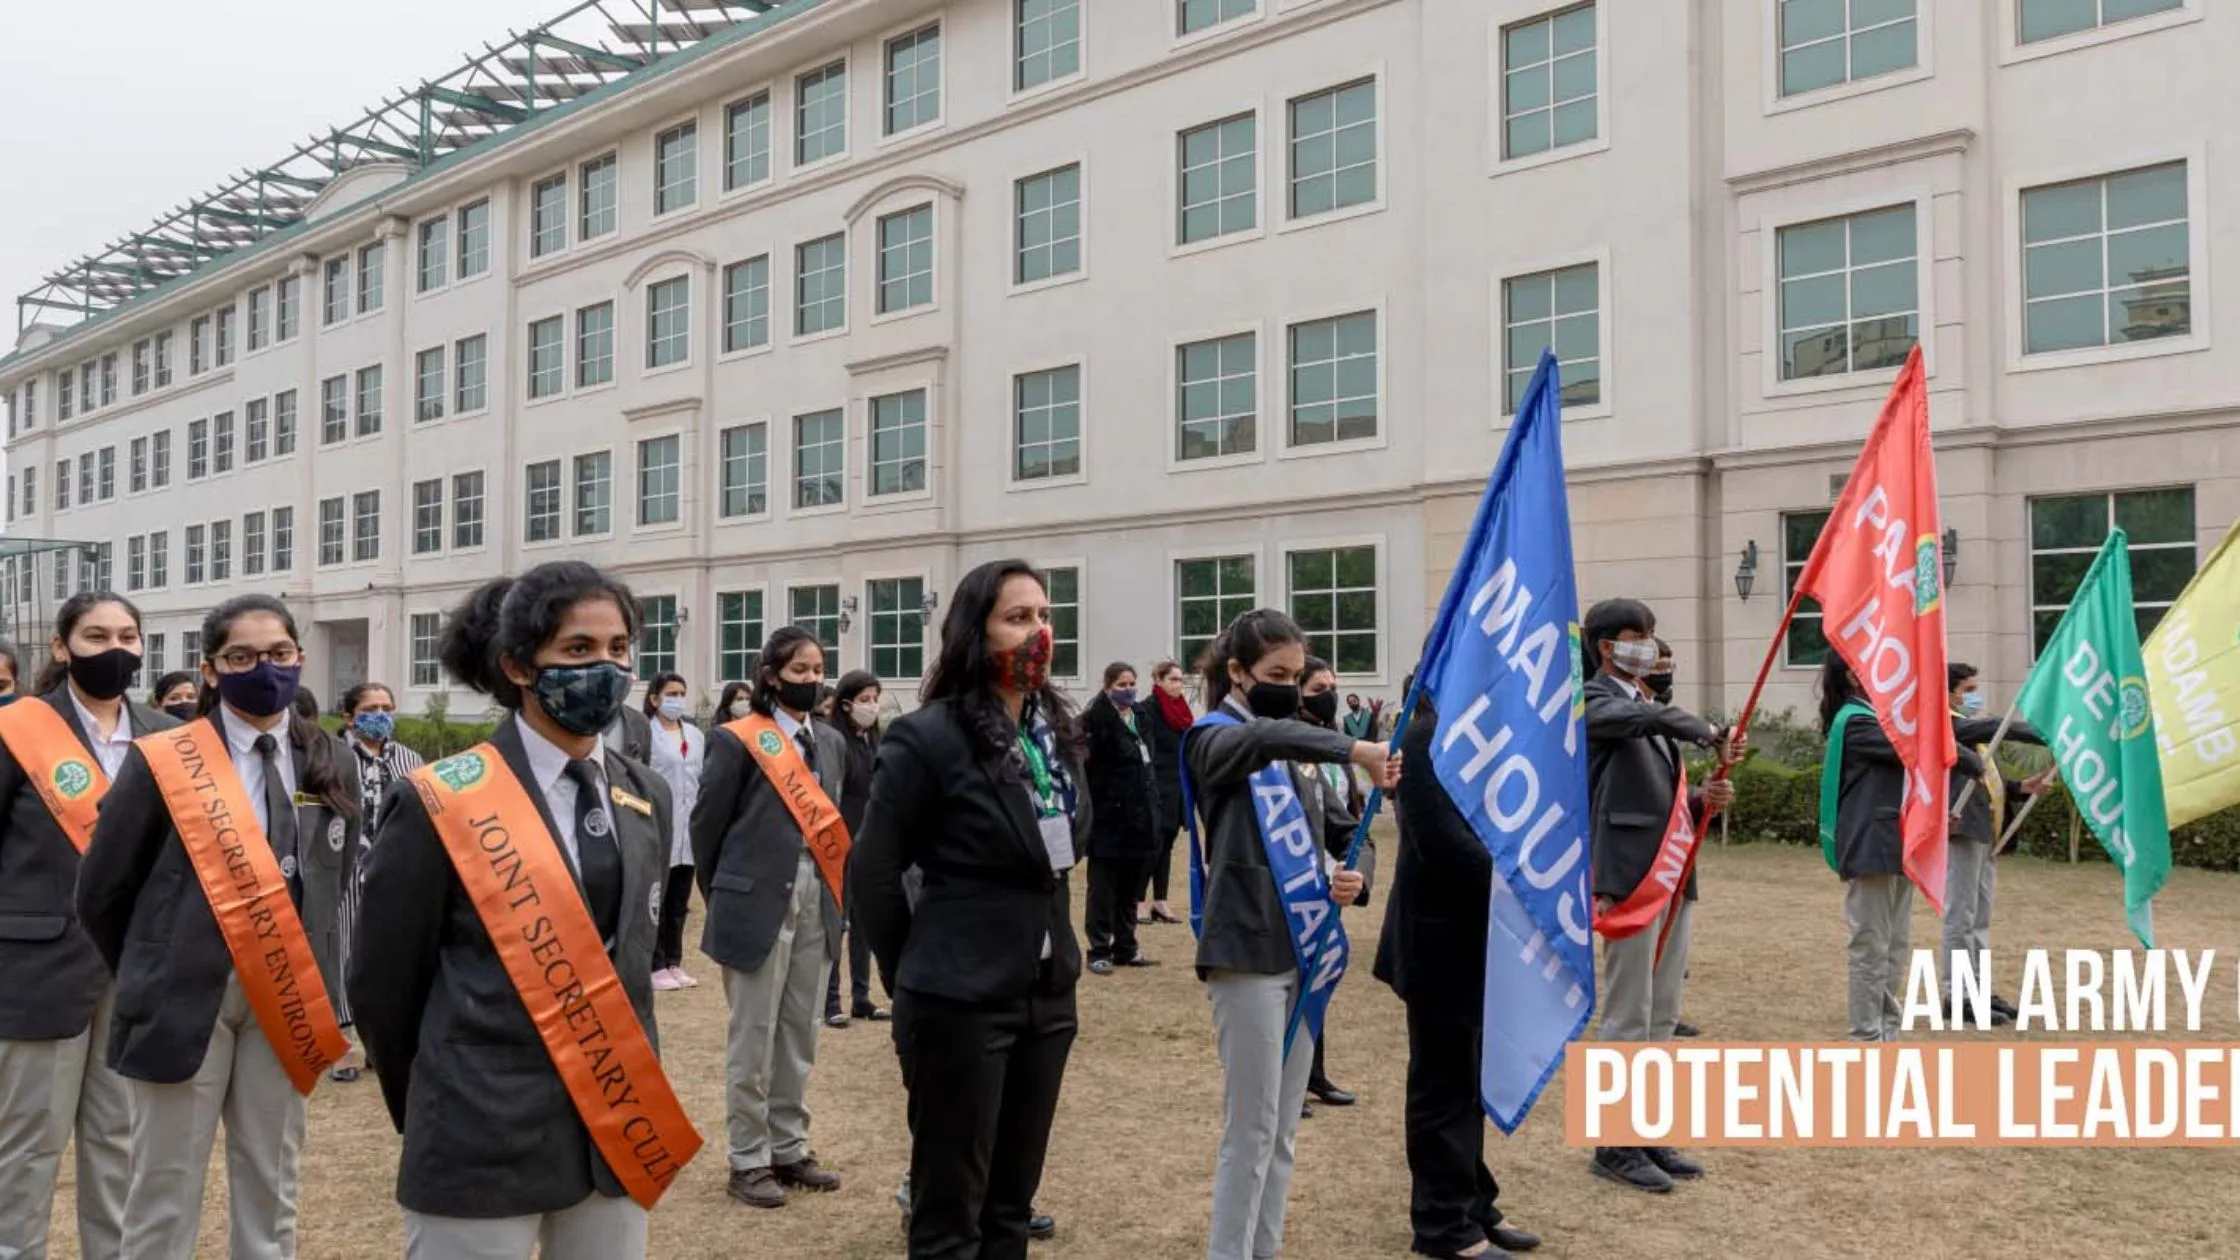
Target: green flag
(2089, 697)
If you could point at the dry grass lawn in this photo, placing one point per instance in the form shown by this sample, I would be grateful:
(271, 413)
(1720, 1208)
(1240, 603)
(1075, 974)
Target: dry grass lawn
(1133, 1152)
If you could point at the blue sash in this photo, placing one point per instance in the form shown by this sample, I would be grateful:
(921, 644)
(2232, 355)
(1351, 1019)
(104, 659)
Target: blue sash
(1294, 849)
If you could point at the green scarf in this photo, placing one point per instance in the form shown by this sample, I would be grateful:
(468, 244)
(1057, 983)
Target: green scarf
(1831, 777)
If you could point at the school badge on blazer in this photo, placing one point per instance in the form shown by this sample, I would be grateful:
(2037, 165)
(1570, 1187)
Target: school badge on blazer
(772, 743)
(337, 834)
(73, 778)
(463, 773)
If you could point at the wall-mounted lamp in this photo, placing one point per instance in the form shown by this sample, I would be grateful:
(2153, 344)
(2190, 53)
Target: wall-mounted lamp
(847, 612)
(926, 607)
(1951, 556)
(1746, 573)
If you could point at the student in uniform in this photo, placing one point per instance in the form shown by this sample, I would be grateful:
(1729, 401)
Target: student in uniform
(856, 700)
(333, 841)
(1164, 716)
(176, 694)
(1245, 951)
(10, 670)
(60, 749)
(1327, 791)
(771, 865)
(217, 1023)
(679, 750)
(1971, 879)
(1124, 797)
(736, 702)
(1659, 683)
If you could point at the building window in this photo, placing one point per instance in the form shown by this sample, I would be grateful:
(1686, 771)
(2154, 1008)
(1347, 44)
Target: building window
(1209, 594)
(435, 253)
(62, 483)
(472, 355)
(334, 410)
(252, 544)
(2067, 531)
(428, 387)
(746, 470)
(543, 501)
(1220, 179)
(1217, 404)
(594, 494)
(370, 261)
(2107, 261)
(547, 358)
(746, 304)
(1807, 643)
(283, 539)
(159, 559)
(108, 465)
(283, 426)
(658, 494)
(198, 351)
(427, 633)
(1334, 379)
(914, 80)
(595, 211)
(466, 510)
(62, 388)
(1548, 83)
(2051, 19)
(816, 609)
(739, 635)
(221, 426)
(1826, 42)
(594, 345)
(657, 635)
(548, 216)
(427, 517)
(225, 343)
(669, 322)
(163, 359)
(287, 308)
(1048, 44)
(820, 298)
(906, 260)
(820, 114)
(190, 646)
(365, 529)
(198, 451)
(85, 479)
(87, 392)
(746, 142)
(369, 401)
(139, 376)
(30, 491)
(1850, 299)
(335, 305)
(221, 551)
(676, 168)
(259, 333)
(819, 450)
(1560, 310)
(1047, 436)
(136, 462)
(1192, 16)
(898, 443)
(156, 656)
(474, 240)
(1334, 149)
(1334, 599)
(256, 425)
(1049, 212)
(1063, 587)
(159, 460)
(198, 554)
(898, 627)
(135, 563)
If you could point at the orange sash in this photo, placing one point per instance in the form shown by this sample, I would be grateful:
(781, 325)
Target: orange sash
(813, 811)
(527, 900)
(65, 776)
(249, 896)
(1662, 883)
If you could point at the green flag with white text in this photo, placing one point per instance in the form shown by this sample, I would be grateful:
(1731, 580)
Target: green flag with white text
(2088, 695)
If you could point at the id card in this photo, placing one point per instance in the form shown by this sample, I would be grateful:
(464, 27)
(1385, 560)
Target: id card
(1057, 837)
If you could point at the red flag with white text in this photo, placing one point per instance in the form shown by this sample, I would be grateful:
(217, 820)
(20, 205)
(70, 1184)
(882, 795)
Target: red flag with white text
(1878, 572)
(1661, 885)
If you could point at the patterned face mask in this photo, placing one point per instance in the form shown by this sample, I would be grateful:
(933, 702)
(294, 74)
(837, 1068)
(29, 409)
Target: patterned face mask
(582, 699)
(1025, 667)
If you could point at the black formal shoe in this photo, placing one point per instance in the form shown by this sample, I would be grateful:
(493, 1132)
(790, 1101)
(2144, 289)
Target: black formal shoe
(876, 1014)
(1101, 967)
(1041, 1225)
(2001, 1006)
(1630, 1166)
(1958, 1017)
(1331, 1094)
(1161, 916)
(1675, 1165)
(1140, 961)
(1491, 1252)
(1508, 1239)
(343, 1075)
(1685, 1029)
(836, 1020)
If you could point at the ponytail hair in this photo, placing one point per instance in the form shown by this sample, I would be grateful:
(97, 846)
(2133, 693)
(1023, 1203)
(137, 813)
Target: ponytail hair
(1248, 638)
(509, 619)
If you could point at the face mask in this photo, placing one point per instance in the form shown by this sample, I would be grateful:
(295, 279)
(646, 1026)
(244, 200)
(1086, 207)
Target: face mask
(741, 708)
(261, 692)
(1972, 703)
(582, 699)
(7, 700)
(1024, 666)
(799, 697)
(184, 710)
(375, 726)
(1636, 658)
(865, 716)
(1124, 697)
(1660, 686)
(672, 708)
(1273, 700)
(1322, 708)
(104, 675)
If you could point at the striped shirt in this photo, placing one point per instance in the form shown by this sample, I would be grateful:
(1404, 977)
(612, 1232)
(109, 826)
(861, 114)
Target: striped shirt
(377, 773)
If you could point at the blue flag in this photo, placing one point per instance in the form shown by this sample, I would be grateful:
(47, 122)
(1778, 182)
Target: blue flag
(1502, 667)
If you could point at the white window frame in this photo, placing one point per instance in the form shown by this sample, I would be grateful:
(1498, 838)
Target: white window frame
(1014, 287)
(938, 21)
(571, 349)
(1284, 449)
(1924, 201)
(1381, 545)
(562, 515)
(613, 159)
(569, 483)
(848, 266)
(770, 467)
(774, 618)
(442, 483)
(1924, 64)
(1600, 256)
(459, 239)
(936, 222)
(1214, 117)
(929, 629)
(1016, 95)
(451, 525)
(1080, 567)
(411, 649)
(454, 411)
(719, 589)
(1373, 74)
(926, 385)
(569, 214)
(653, 166)
(1171, 410)
(529, 395)
(683, 470)
(1256, 549)
(446, 253)
(774, 278)
(1043, 363)
(846, 61)
(692, 303)
(1509, 13)
(768, 90)
(1177, 39)
(2011, 50)
(846, 408)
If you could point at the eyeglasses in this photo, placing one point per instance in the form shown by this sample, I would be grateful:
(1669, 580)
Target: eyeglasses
(242, 660)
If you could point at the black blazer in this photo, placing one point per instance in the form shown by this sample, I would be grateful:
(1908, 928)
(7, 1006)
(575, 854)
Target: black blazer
(1122, 786)
(1166, 764)
(988, 898)
(1973, 822)
(1633, 763)
(1244, 927)
(855, 786)
(1434, 943)
(631, 734)
(746, 849)
(50, 973)
(489, 1130)
(331, 842)
(142, 904)
(1869, 840)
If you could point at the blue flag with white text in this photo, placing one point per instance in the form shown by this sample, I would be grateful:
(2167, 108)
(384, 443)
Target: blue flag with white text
(1502, 668)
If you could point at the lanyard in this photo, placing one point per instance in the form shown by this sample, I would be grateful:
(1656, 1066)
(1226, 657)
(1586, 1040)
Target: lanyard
(1046, 795)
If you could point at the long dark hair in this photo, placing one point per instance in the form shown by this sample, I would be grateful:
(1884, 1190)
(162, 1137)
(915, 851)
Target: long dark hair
(731, 692)
(1835, 690)
(15, 663)
(168, 681)
(654, 689)
(318, 760)
(508, 619)
(785, 643)
(1251, 636)
(1608, 620)
(854, 683)
(352, 698)
(962, 673)
(52, 672)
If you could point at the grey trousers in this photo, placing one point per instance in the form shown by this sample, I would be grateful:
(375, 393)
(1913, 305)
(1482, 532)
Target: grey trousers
(1971, 882)
(596, 1229)
(1640, 994)
(1261, 1094)
(1879, 909)
(174, 1126)
(50, 1090)
(776, 1010)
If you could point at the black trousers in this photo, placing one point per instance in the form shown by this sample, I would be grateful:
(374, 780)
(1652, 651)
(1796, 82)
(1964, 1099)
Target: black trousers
(1160, 863)
(858, 961)
(1319, 1078)
(1114, 884)
(1452, 1203)
(676, 899)
(983, 1082)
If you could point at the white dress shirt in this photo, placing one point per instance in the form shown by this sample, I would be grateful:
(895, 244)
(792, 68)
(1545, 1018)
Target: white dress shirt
(548, 765)
(110, 751)
(241, 741)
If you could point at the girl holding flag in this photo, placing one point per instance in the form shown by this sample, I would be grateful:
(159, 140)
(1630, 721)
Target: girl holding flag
(1260, 897)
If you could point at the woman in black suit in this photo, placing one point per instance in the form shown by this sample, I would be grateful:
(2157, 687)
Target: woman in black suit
(1163, 717)
(856, 706)
(1125, 795)
(977, 790)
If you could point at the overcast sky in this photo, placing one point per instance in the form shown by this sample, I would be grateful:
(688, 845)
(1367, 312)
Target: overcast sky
(112, 113)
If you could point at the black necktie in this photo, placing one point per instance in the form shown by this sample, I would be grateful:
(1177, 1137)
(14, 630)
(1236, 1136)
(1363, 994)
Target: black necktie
(279, 813)
(597, 856)
(808, 747)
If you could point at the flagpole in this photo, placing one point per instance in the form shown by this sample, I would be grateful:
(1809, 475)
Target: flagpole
(1990, 753)
(2016, 825)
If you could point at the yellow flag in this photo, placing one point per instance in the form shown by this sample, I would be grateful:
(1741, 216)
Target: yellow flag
(2193, 676)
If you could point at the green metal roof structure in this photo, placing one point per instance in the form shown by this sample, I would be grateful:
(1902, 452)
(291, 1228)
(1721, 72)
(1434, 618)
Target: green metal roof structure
(595, 44)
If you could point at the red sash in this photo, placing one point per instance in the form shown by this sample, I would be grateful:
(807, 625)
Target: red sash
(813, 811)
(1663, 881)
(66, 777)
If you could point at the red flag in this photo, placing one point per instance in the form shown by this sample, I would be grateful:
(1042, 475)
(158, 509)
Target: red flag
(1667, 875)
(1878, 572)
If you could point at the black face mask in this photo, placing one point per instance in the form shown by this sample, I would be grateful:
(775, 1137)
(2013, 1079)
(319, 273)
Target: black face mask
(1273, 700)
(1660, 686)
(184, 710)
(799, 697)
(104, 675)
(1322, 708)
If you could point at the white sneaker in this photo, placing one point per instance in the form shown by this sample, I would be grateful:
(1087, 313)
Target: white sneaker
(683, 981)
(665, 981)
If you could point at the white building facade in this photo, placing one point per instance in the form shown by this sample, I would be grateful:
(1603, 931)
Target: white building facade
(1199, 305)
